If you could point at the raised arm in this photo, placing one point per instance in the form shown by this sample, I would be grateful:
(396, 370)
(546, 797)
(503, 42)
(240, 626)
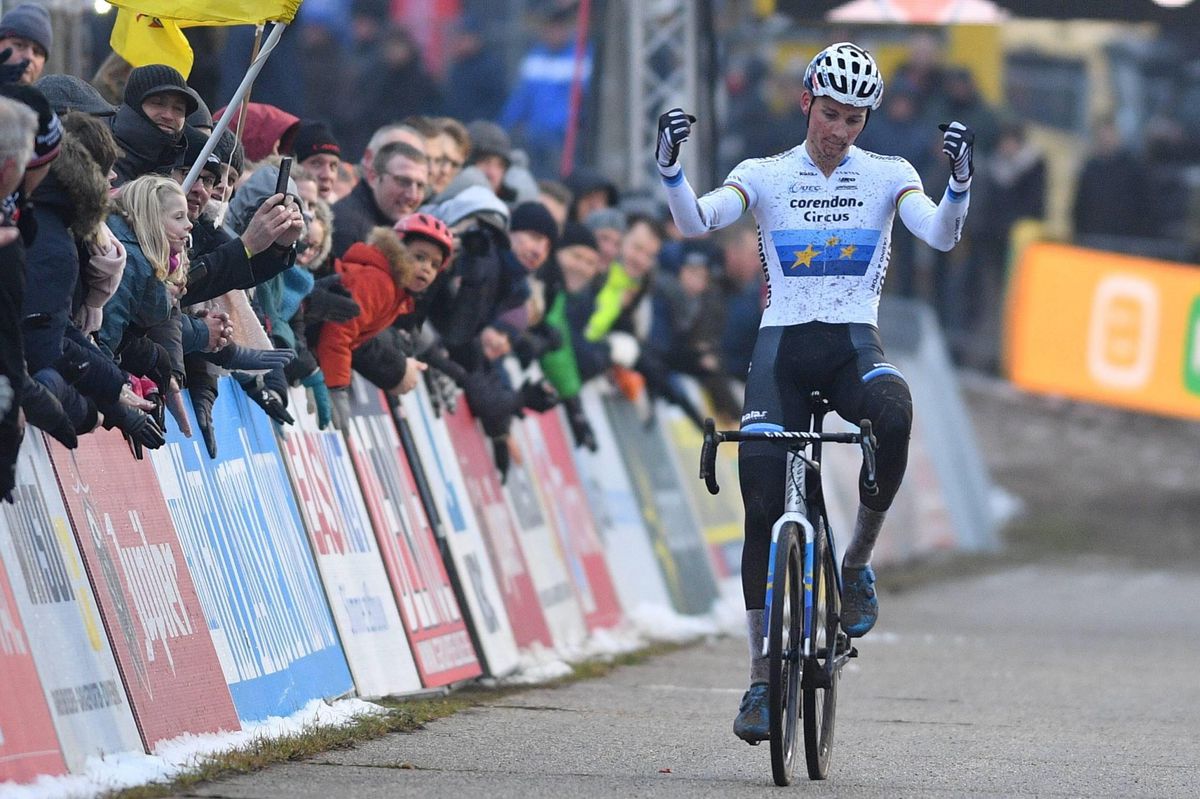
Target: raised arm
(940, 226)
(695, 216)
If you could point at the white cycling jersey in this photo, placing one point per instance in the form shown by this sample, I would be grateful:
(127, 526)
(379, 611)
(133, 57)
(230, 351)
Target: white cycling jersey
(824, 242)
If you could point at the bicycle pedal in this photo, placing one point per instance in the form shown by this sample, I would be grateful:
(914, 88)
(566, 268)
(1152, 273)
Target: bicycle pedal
(853, 653)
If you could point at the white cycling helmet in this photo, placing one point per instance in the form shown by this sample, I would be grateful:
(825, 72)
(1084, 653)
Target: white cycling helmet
(845, 72)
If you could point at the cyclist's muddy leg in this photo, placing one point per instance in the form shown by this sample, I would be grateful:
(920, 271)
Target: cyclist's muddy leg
(761, 469)
(871, 388)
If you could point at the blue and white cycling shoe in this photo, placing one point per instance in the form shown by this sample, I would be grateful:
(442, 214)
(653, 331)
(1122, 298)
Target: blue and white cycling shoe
(752, 724)
(860, 608)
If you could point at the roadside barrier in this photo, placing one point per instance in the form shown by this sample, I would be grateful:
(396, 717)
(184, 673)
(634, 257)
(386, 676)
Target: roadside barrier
(144, 599)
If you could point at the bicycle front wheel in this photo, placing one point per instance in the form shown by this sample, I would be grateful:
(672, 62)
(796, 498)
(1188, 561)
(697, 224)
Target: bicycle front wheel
(784, 634)
(821, 667)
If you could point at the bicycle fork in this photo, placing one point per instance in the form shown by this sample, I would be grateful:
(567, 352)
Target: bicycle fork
(793, 511)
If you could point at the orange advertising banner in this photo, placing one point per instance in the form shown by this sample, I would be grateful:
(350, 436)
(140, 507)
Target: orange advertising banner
(1107, 328)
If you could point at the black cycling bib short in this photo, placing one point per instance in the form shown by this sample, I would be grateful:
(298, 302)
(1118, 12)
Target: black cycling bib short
(845, 362)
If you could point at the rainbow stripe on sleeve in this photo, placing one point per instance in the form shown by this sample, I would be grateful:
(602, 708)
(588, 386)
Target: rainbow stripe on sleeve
(907, 190)
(742, 193)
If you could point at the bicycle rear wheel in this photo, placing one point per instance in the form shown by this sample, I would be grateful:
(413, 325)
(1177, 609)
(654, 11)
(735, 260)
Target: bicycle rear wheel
(821, 667)
(784, 633)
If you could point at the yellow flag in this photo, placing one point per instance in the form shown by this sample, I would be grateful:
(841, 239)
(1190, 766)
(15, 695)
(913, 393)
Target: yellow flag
(142, 39)
(215, 12)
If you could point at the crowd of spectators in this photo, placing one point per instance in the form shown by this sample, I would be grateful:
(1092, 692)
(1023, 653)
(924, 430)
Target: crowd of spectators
(443, 255)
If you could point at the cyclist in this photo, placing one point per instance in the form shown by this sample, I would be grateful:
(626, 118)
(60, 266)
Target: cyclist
(824, 211)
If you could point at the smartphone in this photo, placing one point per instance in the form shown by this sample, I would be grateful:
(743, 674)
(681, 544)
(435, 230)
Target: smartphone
(285, 172)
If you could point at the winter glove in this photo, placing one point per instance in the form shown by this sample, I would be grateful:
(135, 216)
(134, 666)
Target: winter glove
(329, 301)
(315, 382)
(581, 429)
(6, 395)
(539, 396)
(11, 73)
(500, 454)
(141, 356)
(202, 404)
(536, 342)
(268, 399)
(89, 319)
(623, 349)
(139, 428)
(234, 356)
(674, 127)
(958, 143)
(443, 392)
(42, 409)
(339, 400)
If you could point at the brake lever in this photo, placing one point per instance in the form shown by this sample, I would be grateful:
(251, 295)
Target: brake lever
(868, 444)
(708, 457)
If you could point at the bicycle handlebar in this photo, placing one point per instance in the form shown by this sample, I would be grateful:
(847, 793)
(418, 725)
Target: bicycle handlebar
(793, 439)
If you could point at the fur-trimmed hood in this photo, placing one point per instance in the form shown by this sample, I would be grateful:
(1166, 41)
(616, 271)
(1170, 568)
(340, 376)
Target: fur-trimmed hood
(75, 189)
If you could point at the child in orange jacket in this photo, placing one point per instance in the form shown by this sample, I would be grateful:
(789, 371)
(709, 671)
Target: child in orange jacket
(375, 273)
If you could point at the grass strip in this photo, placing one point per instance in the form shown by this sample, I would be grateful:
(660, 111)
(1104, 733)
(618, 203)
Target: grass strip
(402, 715)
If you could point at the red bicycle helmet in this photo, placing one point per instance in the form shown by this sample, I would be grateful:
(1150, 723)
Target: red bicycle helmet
(431, 228)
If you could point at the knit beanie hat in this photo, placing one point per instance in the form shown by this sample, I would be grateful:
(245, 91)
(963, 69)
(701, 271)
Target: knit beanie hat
(49, 132)
(201, 117)
(488, 138)
(473, 201)
(536, 218)
(229, 151)
(29, 21)
(606, 219)
(196, 139)
(577, 235)
(69, 93)
(156, 79)
(314, 138)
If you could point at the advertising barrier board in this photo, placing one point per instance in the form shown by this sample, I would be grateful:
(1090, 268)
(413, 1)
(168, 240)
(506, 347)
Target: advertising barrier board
(28, 746)
(674, 529)
(437, 634)
(433, 453)
(258, 584)
(144, 589)
(1125, 330)
(499, 528)
(66, 635)
(545, 445)
(614, 505)
(348, 559)
(543, 552)
(721, 520)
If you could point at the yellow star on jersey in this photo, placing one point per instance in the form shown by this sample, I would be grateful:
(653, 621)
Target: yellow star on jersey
(833, 241)
(804, 257)
(848, 251)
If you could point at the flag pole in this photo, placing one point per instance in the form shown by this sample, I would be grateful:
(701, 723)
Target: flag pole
(242, 90)
(245, 106)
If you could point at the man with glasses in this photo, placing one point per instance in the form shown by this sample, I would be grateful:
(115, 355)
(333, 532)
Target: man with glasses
(396, 183)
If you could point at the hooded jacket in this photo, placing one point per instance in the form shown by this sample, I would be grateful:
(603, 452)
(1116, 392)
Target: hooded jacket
(147, 147)
(265, 127)
(367, 273)
(70, 203)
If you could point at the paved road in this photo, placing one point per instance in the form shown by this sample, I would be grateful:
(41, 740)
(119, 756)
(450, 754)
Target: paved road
(1072, 679)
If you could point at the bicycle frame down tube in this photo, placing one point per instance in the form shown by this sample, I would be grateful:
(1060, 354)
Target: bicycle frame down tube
(793, 511)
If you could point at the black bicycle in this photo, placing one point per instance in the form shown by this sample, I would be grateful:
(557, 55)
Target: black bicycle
(804, 645)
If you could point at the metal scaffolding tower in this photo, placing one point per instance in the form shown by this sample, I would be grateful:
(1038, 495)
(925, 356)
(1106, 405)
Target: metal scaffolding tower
(665, 61)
